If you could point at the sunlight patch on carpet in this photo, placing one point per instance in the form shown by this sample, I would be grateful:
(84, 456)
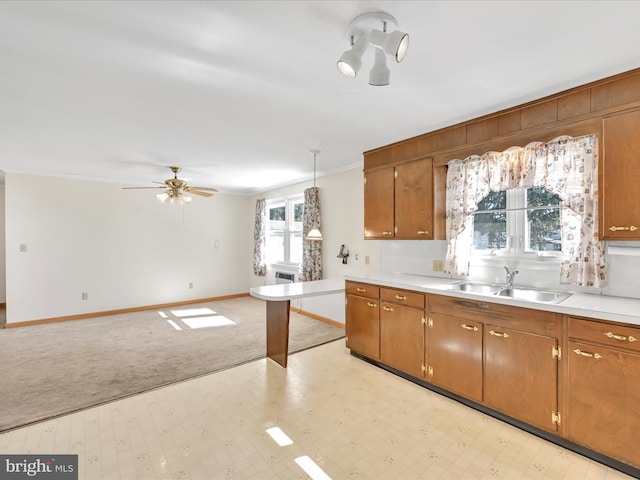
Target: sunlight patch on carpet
(204, 322)
(174, 325)
(192, 312)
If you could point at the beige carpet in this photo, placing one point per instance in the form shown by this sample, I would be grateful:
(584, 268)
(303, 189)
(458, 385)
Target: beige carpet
(49, 370)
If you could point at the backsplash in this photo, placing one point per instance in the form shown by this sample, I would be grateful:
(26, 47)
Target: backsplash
(416, 257)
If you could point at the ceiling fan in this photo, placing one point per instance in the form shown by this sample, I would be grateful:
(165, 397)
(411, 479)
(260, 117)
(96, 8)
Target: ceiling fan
(175, 189)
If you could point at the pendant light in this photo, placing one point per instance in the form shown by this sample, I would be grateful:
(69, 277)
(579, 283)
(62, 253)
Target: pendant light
(315, 233)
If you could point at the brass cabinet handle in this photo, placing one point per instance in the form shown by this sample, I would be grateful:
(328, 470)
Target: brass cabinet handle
(387, 233)
(587, 354)
(499, 334)
(400, 297)
(361, 290)
(387, 309)
(632, 339)
(468, 327)
(632, 228)
(423, 232)
(372, 305)
(617, 337)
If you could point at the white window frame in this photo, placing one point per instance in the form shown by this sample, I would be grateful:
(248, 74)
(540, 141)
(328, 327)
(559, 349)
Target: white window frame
(289, 229)
(517, 232)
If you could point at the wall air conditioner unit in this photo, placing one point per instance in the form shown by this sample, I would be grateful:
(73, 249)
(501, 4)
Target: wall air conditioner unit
(284, 277)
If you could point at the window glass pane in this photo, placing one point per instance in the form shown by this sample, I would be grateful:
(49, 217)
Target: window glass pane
(296, 247)
(296, 224)
(274, 244)
(490, 229)
(543, 225)
(276, 217)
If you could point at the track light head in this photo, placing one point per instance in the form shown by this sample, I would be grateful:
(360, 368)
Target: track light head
(351, 60)
(379, 75)
(394, 44)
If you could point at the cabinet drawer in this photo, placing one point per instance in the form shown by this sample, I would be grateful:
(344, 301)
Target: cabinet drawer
(471, 309)
(402, 297)
(605, 333)
(518, 318)
(362, 289)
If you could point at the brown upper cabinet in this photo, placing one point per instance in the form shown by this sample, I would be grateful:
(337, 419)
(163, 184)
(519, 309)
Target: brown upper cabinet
(620, 167)
(379, 203)
(398, 201)
(405, 182)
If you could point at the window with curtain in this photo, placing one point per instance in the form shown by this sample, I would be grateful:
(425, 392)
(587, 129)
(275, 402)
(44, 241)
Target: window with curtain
(561, 175)
(521, 221)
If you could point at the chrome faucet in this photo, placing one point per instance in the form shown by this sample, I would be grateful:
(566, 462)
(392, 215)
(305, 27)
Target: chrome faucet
(510, 276)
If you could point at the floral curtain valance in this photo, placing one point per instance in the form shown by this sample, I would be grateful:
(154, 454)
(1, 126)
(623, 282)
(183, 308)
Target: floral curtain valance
(311, 265)
(565, 166)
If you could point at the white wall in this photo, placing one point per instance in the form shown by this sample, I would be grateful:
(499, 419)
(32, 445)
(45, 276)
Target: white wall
(122, 247)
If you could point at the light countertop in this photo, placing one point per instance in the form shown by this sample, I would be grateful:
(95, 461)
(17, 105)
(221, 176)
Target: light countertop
(602, 307)
(289, 291)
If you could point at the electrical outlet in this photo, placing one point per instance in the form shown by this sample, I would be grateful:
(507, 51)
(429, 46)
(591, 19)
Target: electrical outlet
(438, 266)
(85, 296)
(190, 284)
(23, 247)
(366, 259)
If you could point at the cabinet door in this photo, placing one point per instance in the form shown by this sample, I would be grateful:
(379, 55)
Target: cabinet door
(521, 375)
(621, 177)
(604, 394)
(455, 355)
(378, 203)
(402, 338)
(414, 200)
(362, 326)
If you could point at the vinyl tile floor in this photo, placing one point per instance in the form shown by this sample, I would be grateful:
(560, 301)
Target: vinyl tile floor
(348, 418)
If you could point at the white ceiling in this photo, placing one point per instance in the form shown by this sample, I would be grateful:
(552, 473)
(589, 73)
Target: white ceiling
(238, 92)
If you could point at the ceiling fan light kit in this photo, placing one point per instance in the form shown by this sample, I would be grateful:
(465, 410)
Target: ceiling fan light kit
(175, 189)
(362, 34)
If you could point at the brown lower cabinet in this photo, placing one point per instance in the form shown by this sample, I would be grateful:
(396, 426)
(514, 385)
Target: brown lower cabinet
(455, 355)
(402, 324)
(604, 389)
(521, 375)
(520, 362)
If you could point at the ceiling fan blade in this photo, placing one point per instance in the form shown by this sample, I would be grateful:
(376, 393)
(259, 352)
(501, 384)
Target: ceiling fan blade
(198, 192)
(137, 188)
(208, 189)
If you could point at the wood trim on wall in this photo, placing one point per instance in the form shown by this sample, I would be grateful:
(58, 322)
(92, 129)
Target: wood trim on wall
(318, 317)
(563, 112)
(119, 311)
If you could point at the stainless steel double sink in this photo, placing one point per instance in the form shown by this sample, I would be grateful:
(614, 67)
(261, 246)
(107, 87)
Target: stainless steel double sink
(517, 293)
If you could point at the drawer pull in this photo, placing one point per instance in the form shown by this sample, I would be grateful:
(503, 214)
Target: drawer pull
(400, 297)
(361, 290)
(372, 305)
(468, 327)
(587, 354)
(617, 337)
(499, 334)
(423, 232)
(387, 309)
(632, 228)
(632, 339)
(386, 234)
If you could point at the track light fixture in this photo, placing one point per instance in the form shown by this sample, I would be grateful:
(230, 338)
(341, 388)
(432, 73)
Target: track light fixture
(363, 32)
